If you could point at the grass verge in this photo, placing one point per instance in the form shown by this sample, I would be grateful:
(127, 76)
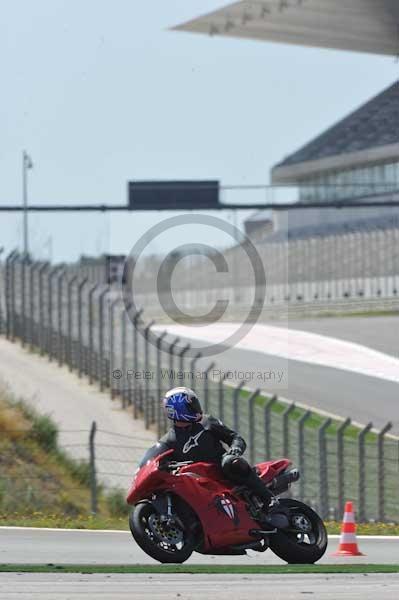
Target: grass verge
(60, 521)
(201, 569)
(313, 422)
(121, 523)
(40, 479)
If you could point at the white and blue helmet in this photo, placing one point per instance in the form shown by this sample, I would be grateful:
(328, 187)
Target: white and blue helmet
(182, 405)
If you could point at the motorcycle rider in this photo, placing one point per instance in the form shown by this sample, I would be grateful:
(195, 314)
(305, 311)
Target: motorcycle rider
(198, 437)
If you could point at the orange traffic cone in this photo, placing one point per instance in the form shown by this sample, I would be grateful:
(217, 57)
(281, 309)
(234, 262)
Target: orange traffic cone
(348, 542)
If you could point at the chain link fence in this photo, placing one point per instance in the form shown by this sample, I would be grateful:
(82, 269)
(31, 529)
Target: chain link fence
(79, 470)
(349, 267)
(59, 313)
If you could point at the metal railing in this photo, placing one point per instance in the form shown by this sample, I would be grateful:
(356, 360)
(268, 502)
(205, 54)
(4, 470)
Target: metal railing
(96, 460)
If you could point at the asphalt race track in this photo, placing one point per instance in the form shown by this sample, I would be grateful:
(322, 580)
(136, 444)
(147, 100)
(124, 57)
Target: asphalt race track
(29, 586)
(336, 391)
(380, 333)
(42, 546)
(91, 547)
(341, 392)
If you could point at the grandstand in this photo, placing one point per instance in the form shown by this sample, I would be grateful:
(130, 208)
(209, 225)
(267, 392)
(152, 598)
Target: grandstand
(356, 159)
(327, 255)
(321, 255)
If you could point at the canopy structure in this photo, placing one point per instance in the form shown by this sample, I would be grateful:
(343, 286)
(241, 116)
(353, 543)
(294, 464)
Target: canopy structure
(369, 135)
(370, 26)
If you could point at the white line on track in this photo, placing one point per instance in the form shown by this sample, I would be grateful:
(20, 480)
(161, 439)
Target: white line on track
(303, 346)
(332, 536)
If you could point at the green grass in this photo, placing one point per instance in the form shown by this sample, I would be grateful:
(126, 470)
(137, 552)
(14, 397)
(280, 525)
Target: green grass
(40, 484)
(202, 569)
(121, 523)
(333, 527)
(314, 421)
(61, 521)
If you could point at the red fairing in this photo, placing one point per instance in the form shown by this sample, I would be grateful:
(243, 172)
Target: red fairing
(223, 514)
(268, 470)
(148, 479)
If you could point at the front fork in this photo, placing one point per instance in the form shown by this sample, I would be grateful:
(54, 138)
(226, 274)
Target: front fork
(169, 505)
(166, 513)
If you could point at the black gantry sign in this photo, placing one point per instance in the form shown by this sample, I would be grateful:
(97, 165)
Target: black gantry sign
(173, 195)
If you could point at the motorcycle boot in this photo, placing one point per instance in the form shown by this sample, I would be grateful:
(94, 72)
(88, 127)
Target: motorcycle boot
(238, 470)
(273, 513)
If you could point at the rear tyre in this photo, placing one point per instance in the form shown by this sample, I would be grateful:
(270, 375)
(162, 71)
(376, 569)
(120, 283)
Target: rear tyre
(306, 541)
(167, 544)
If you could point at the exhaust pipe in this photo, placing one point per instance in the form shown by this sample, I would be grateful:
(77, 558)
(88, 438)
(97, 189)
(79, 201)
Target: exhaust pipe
(282, 482)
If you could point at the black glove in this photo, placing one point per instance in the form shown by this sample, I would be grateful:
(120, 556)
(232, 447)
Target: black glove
(234, 451)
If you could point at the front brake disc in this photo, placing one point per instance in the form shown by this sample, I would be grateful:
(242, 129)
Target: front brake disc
(171, 534)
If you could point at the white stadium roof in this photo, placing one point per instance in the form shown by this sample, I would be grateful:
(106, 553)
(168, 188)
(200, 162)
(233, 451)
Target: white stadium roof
(359, 25)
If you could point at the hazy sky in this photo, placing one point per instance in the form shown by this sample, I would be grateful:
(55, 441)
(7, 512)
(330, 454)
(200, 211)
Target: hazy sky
(100, 92)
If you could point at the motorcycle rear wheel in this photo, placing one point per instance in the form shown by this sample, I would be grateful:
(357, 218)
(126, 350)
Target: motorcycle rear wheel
(306, 547)
(165, 544)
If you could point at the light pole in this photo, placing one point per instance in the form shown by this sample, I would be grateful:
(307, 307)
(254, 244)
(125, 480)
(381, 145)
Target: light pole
(26, 164)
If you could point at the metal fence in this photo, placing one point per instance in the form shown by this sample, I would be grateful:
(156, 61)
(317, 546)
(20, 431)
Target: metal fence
(311, 267)
(101, 461)
(86, 327)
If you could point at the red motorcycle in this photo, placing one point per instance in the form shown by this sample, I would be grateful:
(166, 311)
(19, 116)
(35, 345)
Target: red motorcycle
(182, 507)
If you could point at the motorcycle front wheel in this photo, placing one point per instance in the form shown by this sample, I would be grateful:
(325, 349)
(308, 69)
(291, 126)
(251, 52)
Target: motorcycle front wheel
(305, 541)
(167, 543)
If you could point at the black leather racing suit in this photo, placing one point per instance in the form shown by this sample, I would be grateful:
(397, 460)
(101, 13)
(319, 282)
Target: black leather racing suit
(203, 441)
